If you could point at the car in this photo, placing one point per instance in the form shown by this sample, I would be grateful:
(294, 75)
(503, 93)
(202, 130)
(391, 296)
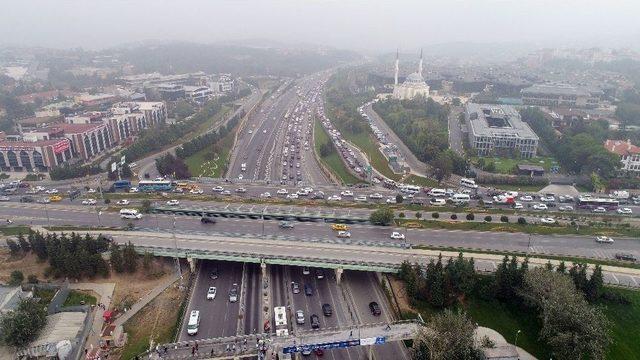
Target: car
(26, 199)
(240, 177)
(241, 190)
(265, 195)
(374, 308)
(305, 270)
(375, 196)
(196, 191)
(526, 198)
(397, 236)
(547, 199)
(292, 196)
(89, 202)
(308, 290)
(327, 310)
(90, 191)
(299, 317)
(339, 227)
(286, 225)
(315, 321)
(132, 165)
(123, 202)
(565, 208)
(178, 190)
(518, 206)
(207, 220)
(599, 210)
(360, 198)
(233, 293)
(5, 198)
(55, 198)
(134, 190)
(344, 234)
(213, 274)
(604, 239)
(319, 352)
(211, 293)
(346, 193)
(218, 189)
(334, 198)
(41, 201)
(437, 202)
(548, 220)
(173, 202)
(282, 192)
(391, 200)
(625, 257)
(225, 193)
(51, 191)
(625, 211)
(540, 207)
(319, 274)
(295, 287)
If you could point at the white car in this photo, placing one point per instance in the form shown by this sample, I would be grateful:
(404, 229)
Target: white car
(547, 199)
(225, 192)
(600, 210)
(218, 189)
(89, 202)
(282, 192)
(196, 191)
(211, 293)
(360, 198)
(300, 317)
(548, 220)
(51, 191)
(123, 202)
(90, 191)
(604, 239)
(4, 198)
(334, 198)
(346, 193)
(397, 236)
(375, 196)
(134, 190)
(565, 208)
(265, 195)
(343, 234)
(240, 177)
(526, 198)
(132, 165)
(292, 196)
(390, 200)
(241, 190)
(625, 211)
(173, 202)
(518, 206)
(540, 207)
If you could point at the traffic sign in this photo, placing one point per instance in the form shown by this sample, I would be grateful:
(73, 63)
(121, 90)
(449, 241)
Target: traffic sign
(323, 346)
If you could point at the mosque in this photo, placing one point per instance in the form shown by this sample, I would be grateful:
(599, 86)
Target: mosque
(412, 86)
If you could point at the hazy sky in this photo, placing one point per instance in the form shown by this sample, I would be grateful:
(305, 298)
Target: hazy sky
(358, 24)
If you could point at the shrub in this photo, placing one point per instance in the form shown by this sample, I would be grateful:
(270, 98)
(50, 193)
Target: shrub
(401, 215)
(418, 215)
(435, 215)
(470, 216)
(107, 201)
(504, 218)
(522, 221)
(454, 217)
(17, 277)
(488, 218)
(399, 199)
(32, 279)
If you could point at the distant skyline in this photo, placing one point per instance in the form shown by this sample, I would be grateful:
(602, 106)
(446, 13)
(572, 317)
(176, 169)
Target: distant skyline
(346, 24)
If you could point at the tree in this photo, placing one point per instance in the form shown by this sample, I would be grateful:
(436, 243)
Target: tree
(504, 218)
(443, 166)
(116, 259)
(418, 215)
(145, 206)
(399, 199)
(448, 336)
(16, 278)
(24, 245)
(435, 215)
(522, 221)
(382, 216)
(593, 289)
(14, 248)
(147, 260)
(488, 218)
(562, 268)
(18, 328)
(470, 216)
(129, 258)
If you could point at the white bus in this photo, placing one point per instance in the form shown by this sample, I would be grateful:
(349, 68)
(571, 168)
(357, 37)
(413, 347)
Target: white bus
(194, 322)
(468, 183)
(460, 198)
(437, 192)
(410, 189)
(130, 214)
(280, 315)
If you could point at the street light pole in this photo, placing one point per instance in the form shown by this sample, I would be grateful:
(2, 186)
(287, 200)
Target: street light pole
(516, 343)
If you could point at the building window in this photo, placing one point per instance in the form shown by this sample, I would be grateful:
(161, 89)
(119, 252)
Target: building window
(3, 163)
(87, 147)
(94, 143)
(26, 160)
(38, 161)
(13, 159)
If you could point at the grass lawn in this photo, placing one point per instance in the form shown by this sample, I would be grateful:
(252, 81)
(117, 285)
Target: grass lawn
(14, 230)
(420, 181)
(76, 298)
(505, 165)
(199, 166)
(625, 322)
(333, 160)
(45, 295)
(224, 110)
(367, 144)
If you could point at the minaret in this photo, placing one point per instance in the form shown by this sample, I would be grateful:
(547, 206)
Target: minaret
(397, 69)
(420, 64)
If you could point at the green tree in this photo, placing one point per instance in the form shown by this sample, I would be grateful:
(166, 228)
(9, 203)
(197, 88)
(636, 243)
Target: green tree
(32, 279)
(117, 262)
(488, 218)
(399, 199)
(24, 245)
(21, 326)
(147, 261)
(418, 215)
(442, 166)
(16, 278)
(594, 286)
(130, 258)
(470, 217)
(382, 216)
(145, 206)
(447, 336)
(14, 248)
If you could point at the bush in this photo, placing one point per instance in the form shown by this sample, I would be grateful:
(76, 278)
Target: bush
(32, 279)
(454, 217)
(435, 215)
(470, 216)
(17, 277)
(383, 216)
(488, 218)
(107, 201)
(418, 215)
(522, 221)
(401, 215)
(504, 218)
(399, 199)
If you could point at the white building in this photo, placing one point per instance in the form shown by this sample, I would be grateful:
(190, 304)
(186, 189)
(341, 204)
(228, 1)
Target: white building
(629, 153)
(412, 86)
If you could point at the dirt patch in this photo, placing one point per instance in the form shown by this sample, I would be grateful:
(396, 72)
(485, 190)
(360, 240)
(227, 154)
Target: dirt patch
(28, 264)
(401, 294)
(157, 321)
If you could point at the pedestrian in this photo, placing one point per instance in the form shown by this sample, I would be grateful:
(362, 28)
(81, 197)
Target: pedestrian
(196, 346)
(193, 350)
(166, 349)
(211, 352)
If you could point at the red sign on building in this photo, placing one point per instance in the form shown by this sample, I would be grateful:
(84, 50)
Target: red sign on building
(61, 146)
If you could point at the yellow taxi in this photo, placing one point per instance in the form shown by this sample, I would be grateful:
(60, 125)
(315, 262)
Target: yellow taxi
(339, 227)
(55, 198)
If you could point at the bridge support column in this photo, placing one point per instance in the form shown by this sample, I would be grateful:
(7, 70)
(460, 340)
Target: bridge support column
(192, 264)
(263, 267)
(339, 272)
(370, 353)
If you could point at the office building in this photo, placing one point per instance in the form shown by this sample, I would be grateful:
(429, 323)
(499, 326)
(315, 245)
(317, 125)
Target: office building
(561, 95)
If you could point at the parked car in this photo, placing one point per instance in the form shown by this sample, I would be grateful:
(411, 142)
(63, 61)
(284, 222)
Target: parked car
(89, 202)
(300, 317)
(343, 234)
(213, 274)
(540, 207)
(308, 290)
(397, 236)
(548, 220)
(319, 274)
(625, 211)
(315, 321)
(218, 189)
(295, 287)
(173, 202)
(286, 225)
(211, 293)
(565, 208)
(305, 270)
(123, 202)
(374, 308)
(327, 310)
(625, 257)
(207, 220)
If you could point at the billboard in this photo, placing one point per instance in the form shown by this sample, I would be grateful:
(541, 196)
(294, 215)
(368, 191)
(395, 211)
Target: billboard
(61, 146)
(113, 167)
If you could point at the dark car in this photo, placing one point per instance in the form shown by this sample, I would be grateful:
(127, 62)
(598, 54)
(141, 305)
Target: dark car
(319, 274)
(308, 290)
(375, 308)
(26, 199)
(206, 220)
(315, 321)
(625, 257)
(214, 274)
(326, 310)
(286, 225)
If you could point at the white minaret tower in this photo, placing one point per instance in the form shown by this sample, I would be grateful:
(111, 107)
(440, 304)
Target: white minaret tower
(420, 64)
(396, 69)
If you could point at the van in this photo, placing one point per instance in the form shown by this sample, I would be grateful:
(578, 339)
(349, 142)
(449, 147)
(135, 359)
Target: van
(437, 202)
(194, 322)
(130, 214)
(437, 192)
(468, 183)
(460, 198)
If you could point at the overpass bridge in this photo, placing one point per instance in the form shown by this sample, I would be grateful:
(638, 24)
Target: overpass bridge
(266, 345)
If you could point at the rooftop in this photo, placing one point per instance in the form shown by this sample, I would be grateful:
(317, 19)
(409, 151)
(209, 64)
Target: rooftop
(621, 147)
(497, 121)
(72, 128)
(554, 89)
(59, 327)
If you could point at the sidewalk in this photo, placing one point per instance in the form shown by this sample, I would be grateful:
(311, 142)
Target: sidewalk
(105, 291)
(499, 340)
(145, 300)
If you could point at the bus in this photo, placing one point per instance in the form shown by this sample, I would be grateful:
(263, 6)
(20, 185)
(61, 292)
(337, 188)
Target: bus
(468, 183)
(280, 315)
(155, 185)
(410, 189)
(194, 322)
(592, 203)
(437, 192)
(121, 185)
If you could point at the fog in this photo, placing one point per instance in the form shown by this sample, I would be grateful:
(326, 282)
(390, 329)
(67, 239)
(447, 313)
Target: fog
(351, 24)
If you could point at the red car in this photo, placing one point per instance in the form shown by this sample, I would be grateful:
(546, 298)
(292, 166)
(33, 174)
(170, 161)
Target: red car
(318, 352)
